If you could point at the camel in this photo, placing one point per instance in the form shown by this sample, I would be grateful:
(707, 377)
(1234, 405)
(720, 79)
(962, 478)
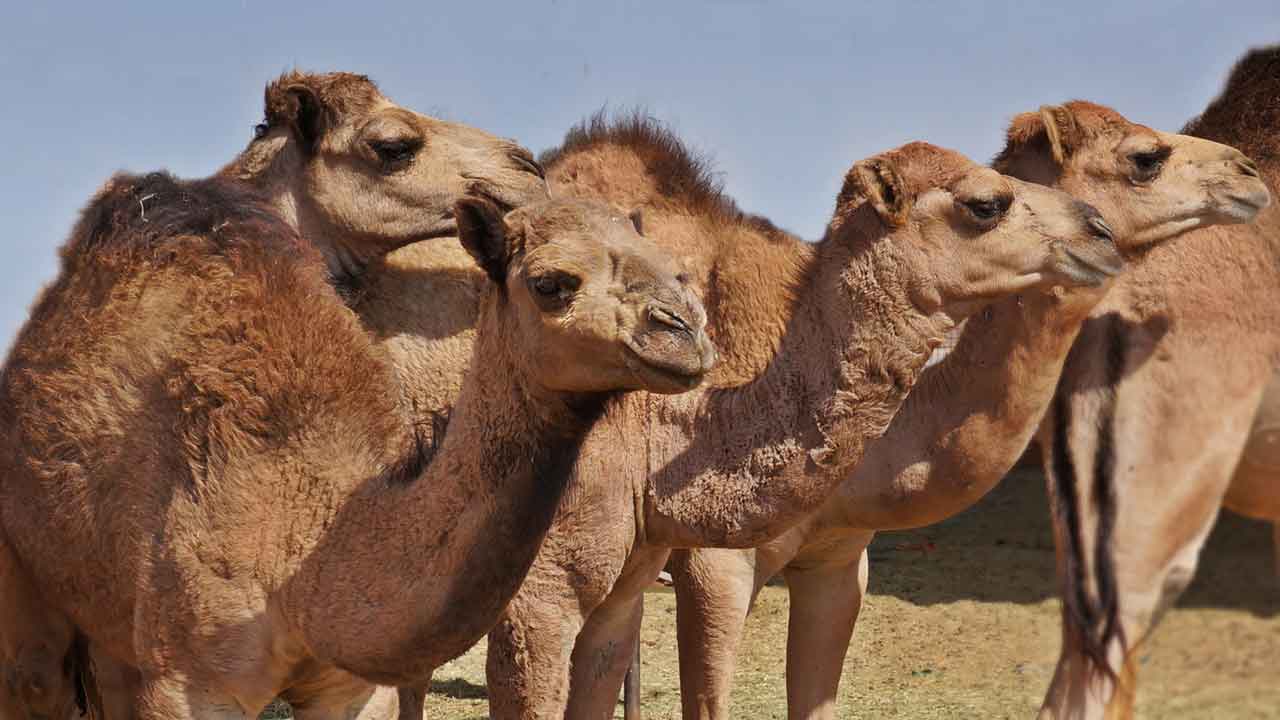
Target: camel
(958, 434)
(252, 512)
(764, 442)
(353, 172)
(1155, 408)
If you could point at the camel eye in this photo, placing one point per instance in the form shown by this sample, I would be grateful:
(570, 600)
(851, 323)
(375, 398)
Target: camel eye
(987, 211)
(553, 290)
(546, 285)
(1148, 164)
(395, 155)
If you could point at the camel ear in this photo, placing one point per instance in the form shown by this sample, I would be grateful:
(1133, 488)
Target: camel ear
(1061, 130)
(637, 220)
(305, 114)
(878, 182)
(483, 233)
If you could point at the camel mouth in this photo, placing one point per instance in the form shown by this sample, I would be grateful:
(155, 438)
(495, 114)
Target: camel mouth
(1091, 270)
(660, 375)
(1244, 207)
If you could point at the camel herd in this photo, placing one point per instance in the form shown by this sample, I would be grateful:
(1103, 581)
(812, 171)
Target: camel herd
(385, 384)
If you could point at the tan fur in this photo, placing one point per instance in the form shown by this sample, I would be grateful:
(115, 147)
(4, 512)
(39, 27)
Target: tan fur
(958, 433)
(1156, 403)
(819, 344)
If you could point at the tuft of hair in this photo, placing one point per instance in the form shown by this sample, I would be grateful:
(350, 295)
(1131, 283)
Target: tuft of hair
(339, 93)
(680, 173)
(1246, 114)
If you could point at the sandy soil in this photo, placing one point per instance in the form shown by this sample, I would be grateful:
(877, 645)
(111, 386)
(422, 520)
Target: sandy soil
(970, 630)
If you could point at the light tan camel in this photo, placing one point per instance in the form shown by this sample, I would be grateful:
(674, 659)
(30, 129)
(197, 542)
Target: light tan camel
(251, 513)
(1155, 406)
(355, 173)
(915, 231)
(959, 432)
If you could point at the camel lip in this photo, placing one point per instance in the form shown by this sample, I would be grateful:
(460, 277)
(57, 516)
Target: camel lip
(1091, 271)
(682, 379)
(1251, 204)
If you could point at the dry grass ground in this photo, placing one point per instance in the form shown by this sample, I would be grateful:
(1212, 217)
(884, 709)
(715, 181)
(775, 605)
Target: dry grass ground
(970, 630)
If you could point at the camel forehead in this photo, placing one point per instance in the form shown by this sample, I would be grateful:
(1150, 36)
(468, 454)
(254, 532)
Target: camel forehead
(591, 238)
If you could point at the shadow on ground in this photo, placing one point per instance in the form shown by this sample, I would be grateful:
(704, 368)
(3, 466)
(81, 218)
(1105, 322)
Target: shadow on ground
(1001, 550)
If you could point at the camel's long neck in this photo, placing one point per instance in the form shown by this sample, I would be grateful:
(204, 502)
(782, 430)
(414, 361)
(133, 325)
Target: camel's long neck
(970, 417)
(758, 456)
(455, 539)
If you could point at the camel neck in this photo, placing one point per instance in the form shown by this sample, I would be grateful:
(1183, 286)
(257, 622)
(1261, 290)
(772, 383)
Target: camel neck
(456, 537)
(970, 416)
(760, 455)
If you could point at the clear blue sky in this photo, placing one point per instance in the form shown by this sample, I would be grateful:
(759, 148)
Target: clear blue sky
(783, 98)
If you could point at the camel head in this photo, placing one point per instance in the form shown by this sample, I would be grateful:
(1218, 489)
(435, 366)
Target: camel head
(971, 235)
(1151, 185)
(360, 175)
(593, 304)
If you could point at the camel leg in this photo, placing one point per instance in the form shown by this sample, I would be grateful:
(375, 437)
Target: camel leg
(632, 686)
(601, 656)
(527, 668)
(714, 591)
(413, 701)
(35, 642)
(824, 607)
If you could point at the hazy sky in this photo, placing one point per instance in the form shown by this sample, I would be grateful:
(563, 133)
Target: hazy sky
(783, 98)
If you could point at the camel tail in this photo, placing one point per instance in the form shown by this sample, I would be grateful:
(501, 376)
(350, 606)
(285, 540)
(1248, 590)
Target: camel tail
(1091, 619)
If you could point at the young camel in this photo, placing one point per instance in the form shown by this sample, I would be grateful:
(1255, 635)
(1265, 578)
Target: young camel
(959, 432)
(356, 175)
(1156, 402)
(920, 239)
(250, 512)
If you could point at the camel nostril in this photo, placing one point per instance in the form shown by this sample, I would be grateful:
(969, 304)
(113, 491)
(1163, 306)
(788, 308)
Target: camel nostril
(1248, 167)
(665, 316)
(1101, 229)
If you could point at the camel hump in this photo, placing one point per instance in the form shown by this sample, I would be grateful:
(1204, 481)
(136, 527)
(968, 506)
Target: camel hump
(1246, 114)
(145, 214)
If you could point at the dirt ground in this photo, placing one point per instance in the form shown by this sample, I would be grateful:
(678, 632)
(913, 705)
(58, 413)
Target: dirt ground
(970, 630)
